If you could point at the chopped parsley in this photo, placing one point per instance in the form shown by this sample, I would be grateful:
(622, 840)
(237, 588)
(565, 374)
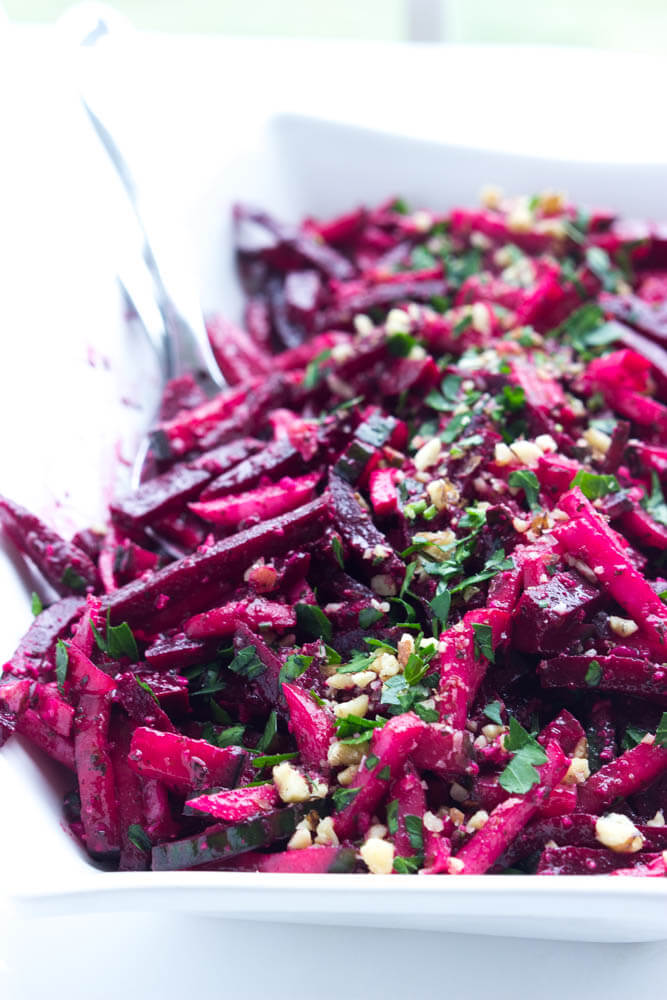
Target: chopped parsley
(295, 665)
(228, 737)
(661, 732)
(313, 374)
(73, 580)
(392, 817)
(62, 661)
(145, 686)
(520, 774)
(595, 486)
(483, 641)
(247, 663)
(313, 621)
(632, 737)
(414, 830)
(368, 617)
(599, 262)
(655, 503)
(446, 399)
(492, 712)
(441, 604)
(139, 838)
(353, 729)
(118, 640)
(337, 547)
(273, 759)
(343, 797)
(270, 730)
(36, 605)
(407, 866)
(400, 344)
(593, 674)
(527, 481)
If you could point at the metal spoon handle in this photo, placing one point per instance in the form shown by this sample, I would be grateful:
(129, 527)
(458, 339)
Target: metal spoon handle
(175, 326)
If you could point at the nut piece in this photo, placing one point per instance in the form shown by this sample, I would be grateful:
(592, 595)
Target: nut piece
(363, 678)
(398, 321)
(527, 452)
(598, 440)
(342, 754)
(491, 196)
(325, 832)
(363, 324)
(385, 666)
(428, 454)
(520, 219)
(293, 787)
(378, 856)
(658, 819)
(357, 706)
(502, 455)
(347, 776)
(300, 838)
(577, 772)
(546, 443)
(618, 833)
(622, 626)
(481, 318)
(384, 585)
(443, 494)
(433, 823)
(477, 821)
(493, 731)
(406, 647)
(552, 202)
(458, 792)
(341, 682)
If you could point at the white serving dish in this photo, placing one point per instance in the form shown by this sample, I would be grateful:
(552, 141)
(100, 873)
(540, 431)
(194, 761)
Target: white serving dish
(297, 166)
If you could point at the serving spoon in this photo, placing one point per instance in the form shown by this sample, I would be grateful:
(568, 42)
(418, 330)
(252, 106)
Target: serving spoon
(171, 317)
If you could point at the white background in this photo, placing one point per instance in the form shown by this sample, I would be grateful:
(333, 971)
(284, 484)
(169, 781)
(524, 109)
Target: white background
(56, 272)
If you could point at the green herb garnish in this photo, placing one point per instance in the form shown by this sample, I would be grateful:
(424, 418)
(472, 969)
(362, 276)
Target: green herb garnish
(295, 665)
(62, 660)
(313, 621)
(655, 503)
(594, 486)
(118, 641)
(247, 663)
(492, 712)
(661, 732)
(483, 641)
(273, 759)
(520, 774)
(139, 838)
(593, 674)
(527, 481)
(342, 797)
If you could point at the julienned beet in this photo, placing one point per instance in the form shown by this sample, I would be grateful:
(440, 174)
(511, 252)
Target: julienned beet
(394, 600)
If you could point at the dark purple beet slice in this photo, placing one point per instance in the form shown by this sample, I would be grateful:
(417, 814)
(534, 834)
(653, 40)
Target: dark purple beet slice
(67, 568)
(138, 601)
(159, 496)
(34, 653)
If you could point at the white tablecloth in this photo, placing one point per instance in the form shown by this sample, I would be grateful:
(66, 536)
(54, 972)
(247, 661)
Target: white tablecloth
(52, 266)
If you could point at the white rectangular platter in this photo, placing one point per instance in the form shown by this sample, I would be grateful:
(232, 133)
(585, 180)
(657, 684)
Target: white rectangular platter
(296, 166)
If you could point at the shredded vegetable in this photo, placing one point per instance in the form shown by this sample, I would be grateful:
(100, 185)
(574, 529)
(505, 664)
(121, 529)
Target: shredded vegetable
(394, 600)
